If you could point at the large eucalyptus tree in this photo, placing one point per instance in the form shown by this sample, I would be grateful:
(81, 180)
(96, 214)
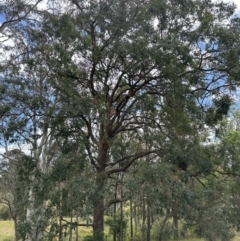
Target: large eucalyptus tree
(125, 72)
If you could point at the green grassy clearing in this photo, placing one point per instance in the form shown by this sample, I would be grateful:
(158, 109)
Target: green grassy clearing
(7, 233)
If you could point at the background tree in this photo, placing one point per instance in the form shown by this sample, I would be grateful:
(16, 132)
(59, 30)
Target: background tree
(14, 182)
(27, 103)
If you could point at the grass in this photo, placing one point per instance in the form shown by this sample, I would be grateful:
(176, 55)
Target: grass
(192, 239)
(237, 238)
(6, 231)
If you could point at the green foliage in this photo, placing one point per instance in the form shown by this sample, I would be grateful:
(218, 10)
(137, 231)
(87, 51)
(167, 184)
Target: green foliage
(166, 233)
(4, 213)
(115, 224)
(23, 229)
(111, 98)
(97, 236)
(88, 238)
(220, 109)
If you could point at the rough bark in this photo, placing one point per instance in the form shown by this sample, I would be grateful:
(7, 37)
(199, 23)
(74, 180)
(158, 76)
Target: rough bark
(98, 215)
(98, 211)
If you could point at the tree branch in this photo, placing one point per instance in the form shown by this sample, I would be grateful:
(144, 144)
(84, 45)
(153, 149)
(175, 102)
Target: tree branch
(133, 159)
(77, 224)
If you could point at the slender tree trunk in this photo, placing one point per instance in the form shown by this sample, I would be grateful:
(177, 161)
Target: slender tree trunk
(175, 220)
(143, 219)
(136, 218)
(60, 238)
(115, 211)
(162, 226)
(77, 235)
(175, 225)
(121, 209)
(15, 228)
(131, 219)
(36, 205)
(60, 212)
(149, 226)
(71, 228)
(121, 219)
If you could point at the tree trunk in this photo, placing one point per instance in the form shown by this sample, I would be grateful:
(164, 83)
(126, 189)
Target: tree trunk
(121, 221)
(71, 228)
(77, 235)
(36, 205)
(175, 225)
(35, 218)
(15, 228)
(115, 212)
(136, 218)
(60, 237)
(121, 210)
(143, 219)
(175, 220)
(131, 219)
(98, 211)
(149, 226)
(98, 216)
(162, 226)
(98, 205)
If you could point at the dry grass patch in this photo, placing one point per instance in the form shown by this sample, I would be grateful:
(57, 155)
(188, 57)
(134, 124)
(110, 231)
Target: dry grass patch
(237, 238)
(6, 231)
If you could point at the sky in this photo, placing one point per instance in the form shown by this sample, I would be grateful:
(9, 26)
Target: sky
(46, 3)
(237, 2)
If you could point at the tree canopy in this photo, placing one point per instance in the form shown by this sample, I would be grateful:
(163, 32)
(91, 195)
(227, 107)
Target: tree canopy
(98, 91)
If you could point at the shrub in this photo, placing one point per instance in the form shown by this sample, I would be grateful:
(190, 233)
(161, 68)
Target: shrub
(88, 238)
(96, 237)
(4, 213)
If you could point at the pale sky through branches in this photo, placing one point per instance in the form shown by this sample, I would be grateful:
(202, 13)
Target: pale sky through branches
(237, 2)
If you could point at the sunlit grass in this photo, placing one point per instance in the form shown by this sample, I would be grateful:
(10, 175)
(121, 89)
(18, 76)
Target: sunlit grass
(6, 231)
(237, 238)
(192, 239)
